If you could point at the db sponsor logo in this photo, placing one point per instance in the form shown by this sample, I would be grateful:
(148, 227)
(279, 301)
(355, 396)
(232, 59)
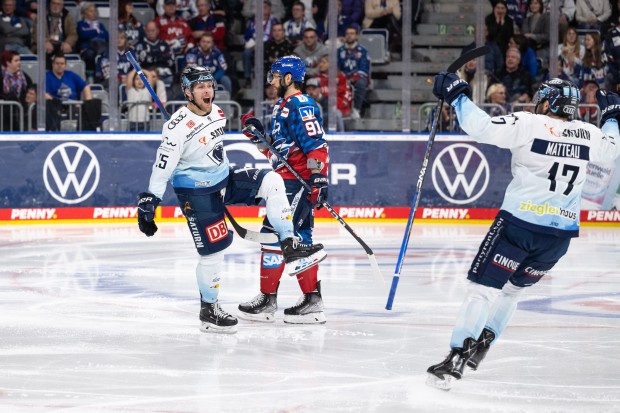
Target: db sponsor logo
(217, 231)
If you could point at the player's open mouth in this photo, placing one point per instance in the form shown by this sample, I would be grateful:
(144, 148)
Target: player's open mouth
(207, 100)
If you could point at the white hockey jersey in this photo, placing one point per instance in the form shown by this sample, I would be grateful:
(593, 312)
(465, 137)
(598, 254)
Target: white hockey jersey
(549, 158)
(191, 153)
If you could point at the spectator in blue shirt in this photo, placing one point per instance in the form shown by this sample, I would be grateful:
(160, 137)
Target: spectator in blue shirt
(92, 36)
(209, 56)
(353, 61)
(64, 84)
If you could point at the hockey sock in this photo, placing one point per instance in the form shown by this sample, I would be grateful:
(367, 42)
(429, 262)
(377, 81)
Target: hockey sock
(307, 279)
(271, 269)
(279, 210)
(503, 309)
(207, 275)
(473, 314)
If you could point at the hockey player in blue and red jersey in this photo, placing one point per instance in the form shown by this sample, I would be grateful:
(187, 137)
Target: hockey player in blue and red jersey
(297, 134)
(541, 209)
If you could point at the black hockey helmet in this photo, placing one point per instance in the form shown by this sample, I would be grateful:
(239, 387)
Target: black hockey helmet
(196, 74)
(562, 95)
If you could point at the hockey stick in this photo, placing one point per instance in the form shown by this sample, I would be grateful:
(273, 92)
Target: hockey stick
(376, 271)
(460, 61)
(246, 234)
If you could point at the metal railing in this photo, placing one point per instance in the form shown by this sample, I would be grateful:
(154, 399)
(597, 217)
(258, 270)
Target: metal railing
(8, 119)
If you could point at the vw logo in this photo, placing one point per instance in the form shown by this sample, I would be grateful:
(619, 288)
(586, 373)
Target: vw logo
(460, 173)
(71, 173)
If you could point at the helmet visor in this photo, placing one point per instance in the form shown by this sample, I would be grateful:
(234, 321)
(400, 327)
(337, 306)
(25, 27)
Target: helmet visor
(273, 74)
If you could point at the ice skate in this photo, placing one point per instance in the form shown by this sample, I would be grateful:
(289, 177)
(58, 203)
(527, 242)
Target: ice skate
(216, 320)
(261, 308)
(299, 257)
(442, 375)
(482, 347)
(308, 310)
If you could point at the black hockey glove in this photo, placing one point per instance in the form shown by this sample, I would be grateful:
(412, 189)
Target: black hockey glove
(318, 195)
(147, 204)
(448, 86)
(609, 103)
(248, 120)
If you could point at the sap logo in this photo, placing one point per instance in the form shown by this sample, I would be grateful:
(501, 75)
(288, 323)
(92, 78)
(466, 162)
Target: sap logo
(217, 132)
(174, 122)
(272, 260)
(471, 168)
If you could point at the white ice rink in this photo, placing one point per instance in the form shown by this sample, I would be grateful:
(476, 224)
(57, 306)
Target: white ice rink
(98, 318)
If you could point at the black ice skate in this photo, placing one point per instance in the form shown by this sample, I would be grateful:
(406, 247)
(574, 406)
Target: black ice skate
(308, 310)
(443, 374)
(299, 257)
(482, 348)
(216, 320)
(261, 308)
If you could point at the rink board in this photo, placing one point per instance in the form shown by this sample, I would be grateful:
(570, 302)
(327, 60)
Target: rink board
(75, 177)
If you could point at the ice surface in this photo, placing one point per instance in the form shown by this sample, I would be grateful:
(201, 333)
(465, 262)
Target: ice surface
(99, 318)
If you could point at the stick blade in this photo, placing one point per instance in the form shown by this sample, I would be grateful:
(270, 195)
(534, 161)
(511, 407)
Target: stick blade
(376, 271)
(466, 57)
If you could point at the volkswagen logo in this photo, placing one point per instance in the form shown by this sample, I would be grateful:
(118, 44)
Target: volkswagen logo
(460, 173)
(71, 173)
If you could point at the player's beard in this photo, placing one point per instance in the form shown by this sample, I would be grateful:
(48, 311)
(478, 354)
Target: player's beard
(282, 88)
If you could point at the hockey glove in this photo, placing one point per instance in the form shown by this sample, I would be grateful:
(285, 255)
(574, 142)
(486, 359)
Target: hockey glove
(147, 204)
(318, 195)
(448, 86)
(609, 103)
(250, 120)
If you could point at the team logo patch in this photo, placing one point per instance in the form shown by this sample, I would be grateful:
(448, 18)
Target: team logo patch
(307, 113)
(191, 124)
(217, 231)
(284, 113)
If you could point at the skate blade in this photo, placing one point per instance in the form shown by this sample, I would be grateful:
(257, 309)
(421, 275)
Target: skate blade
(310, 318)
(441, 384)
(261, 317)
(302, 264)
(212, 328)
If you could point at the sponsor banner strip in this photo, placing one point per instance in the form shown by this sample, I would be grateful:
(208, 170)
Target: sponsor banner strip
(13, 215)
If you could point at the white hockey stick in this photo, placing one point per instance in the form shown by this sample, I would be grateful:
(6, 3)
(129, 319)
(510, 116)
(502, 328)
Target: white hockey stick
(246, 234)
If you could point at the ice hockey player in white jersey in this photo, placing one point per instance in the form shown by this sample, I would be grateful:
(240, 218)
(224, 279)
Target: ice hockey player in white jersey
(539, 214)
(191, 157)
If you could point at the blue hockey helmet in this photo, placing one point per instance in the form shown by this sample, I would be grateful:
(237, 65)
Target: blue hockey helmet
(196, 74)
(288, 64)
(562, 95)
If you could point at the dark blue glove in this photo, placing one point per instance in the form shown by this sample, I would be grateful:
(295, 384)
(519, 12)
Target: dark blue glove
(250, 120)
(609, 103)
(147, 204)
(318, 194)
(448, 86)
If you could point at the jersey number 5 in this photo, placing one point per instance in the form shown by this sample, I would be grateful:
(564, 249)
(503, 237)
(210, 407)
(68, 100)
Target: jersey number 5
(566, 169)
(163, 161)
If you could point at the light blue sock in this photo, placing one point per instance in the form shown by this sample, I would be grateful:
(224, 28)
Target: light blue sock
(473, 314)
(503, 309)
(208, 276)
(279, 210)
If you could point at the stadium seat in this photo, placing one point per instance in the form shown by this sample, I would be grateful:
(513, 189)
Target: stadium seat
(76, 64)
(143, 12)
(30, 66)
(376, 42)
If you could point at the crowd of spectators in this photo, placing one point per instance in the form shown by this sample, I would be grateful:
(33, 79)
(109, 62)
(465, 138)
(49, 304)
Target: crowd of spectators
(204, 32)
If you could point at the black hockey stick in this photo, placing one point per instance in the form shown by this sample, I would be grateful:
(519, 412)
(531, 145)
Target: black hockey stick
(460, 61)
(246, 234)
(376, 272)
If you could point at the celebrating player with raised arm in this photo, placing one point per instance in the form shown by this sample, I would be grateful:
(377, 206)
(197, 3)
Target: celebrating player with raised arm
(298, 136)
(191, 156)
(541, 208)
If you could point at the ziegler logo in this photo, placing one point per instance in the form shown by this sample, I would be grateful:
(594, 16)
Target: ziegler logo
(217, 231)
(466, 176)
(71, 165)
(176, 120)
